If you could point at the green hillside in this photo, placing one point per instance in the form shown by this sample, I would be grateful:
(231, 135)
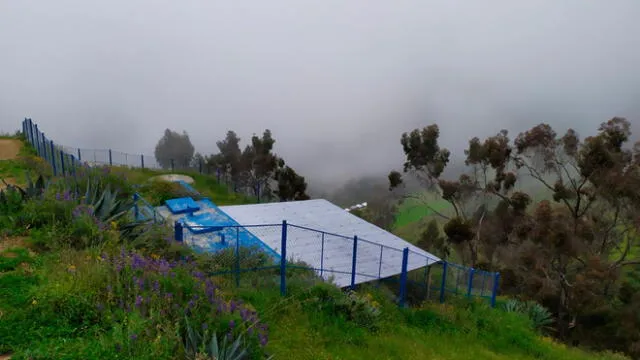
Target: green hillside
(75, 285)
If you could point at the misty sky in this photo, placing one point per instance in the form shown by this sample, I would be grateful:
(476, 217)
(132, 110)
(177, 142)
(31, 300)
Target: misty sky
(337, 81)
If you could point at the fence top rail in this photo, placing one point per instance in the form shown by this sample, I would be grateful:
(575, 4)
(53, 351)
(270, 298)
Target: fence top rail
(320, 231)
(467, 268)
(346, 237)
(425, 256)
(234, 226)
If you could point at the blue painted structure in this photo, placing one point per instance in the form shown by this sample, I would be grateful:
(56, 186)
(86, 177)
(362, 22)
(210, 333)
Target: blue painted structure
(182, 205)
(211, 229)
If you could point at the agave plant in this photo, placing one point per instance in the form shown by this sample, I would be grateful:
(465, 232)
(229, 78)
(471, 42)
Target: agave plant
(541, 318)
(10, 200)
(198, 347)
(31, 191)
(107, 206)
(513, 305)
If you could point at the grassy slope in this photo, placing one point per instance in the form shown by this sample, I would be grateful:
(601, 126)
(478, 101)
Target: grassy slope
(297, 331)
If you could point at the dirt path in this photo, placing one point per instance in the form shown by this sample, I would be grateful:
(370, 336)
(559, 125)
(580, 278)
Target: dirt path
(9, 149)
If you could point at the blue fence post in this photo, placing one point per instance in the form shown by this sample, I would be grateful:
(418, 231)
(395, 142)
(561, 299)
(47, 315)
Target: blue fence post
(426, 274)
(37, 142)
(444, 281)
(43, 144)
(79, 155)
(403, 277)
(353, 262)
(322, 256)
(110, 158)
(33, 133)
(472, 271)
(136, 209)
(73, 165)
(178, 233)
(24, 129)
(30, 137)
(222, 239)
(283, 259)
(53, 159)
(380, 265)
(62, 162)
(142, 161)
(237, 256)
(494, 293)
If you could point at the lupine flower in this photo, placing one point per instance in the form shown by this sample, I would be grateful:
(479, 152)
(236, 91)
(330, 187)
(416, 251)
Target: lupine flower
(140, 284)
(133, 337)
(232, 324)
(139, 300)
(263, 340)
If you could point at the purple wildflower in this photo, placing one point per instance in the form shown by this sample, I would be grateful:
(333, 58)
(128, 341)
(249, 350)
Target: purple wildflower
(137, 262)
(232, 324)
(140, 284)
(263, 340)
(156, 286)
(133, 337)
(139, 300)
(198, 275)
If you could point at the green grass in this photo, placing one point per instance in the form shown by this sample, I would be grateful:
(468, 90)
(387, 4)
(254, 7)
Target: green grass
(299, 328)
(26, 163)
(206, 185)
(413, 210)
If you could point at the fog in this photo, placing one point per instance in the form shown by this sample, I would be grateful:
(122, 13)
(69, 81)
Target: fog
(336, 81)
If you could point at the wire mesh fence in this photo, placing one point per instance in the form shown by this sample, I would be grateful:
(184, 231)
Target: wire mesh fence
(63, 159)
(278, 249)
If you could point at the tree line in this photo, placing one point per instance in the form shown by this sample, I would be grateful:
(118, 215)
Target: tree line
(256, 170)
(572, 249)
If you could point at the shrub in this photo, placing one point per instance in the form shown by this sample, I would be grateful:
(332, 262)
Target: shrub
(159, 191)
(361, 310)
(540, 317)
